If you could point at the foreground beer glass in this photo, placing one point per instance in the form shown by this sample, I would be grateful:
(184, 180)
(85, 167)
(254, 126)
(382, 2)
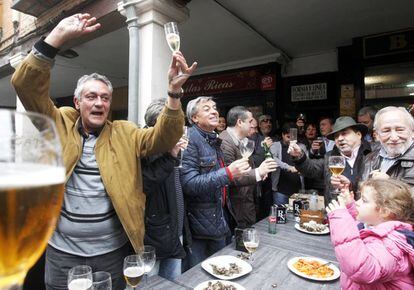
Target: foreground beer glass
(31, 191)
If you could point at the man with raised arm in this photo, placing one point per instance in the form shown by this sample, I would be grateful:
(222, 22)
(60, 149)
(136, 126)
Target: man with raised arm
(103, 208)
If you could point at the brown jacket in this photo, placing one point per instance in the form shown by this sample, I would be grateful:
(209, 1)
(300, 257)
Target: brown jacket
(243, 189)
(118, 149)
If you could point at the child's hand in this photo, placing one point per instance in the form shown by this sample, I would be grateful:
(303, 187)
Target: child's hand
(347, 196)
(334, 205)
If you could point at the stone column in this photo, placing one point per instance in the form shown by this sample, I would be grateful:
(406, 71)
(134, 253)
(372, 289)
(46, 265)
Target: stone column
(153, 54)
(15, 60)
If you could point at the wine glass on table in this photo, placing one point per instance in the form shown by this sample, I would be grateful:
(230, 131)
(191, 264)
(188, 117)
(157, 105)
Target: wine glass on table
(133, 270)
(148, 258)
(80, 278)
(32, 175)
(251, 240)
(185, 136)
(246, 148)
(101, 281)
(336, 166)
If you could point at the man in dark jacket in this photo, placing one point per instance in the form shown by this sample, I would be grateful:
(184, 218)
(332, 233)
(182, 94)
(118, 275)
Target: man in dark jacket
(348, 143)
(164, 207)
(204, 179)
(243, 189)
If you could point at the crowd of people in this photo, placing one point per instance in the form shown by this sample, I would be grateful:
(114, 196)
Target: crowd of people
(124, 187)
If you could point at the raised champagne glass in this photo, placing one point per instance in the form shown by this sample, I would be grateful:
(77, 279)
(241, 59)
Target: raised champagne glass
(31, 191)
(133, 270)
(336, 166)
(251, 240)
(173, 39)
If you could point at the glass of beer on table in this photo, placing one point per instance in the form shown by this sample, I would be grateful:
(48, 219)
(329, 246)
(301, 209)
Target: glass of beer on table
(31, 191)
(133, 270)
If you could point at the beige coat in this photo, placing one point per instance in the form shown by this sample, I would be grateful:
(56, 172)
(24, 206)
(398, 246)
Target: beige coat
(118, 149)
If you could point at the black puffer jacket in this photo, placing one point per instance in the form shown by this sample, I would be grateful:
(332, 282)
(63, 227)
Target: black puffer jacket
(161, 207)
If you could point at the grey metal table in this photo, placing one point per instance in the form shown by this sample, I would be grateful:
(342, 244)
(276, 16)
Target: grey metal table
(158, 283)
(270, 261)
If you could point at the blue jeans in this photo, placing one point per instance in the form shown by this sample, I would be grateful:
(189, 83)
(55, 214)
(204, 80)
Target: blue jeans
(279, 198)
(202, 249)
(58, 264)
(169, 268)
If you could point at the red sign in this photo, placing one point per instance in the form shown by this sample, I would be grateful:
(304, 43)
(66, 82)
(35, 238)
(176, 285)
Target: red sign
(268, 82)
(230, 82)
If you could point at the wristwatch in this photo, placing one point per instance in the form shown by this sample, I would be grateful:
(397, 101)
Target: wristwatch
(176, 95)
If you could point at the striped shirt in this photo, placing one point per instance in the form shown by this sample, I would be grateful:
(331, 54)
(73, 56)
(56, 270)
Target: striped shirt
(88, 225)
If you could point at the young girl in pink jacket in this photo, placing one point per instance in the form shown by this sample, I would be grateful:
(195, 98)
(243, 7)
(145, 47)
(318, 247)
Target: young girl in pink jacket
(375, 251)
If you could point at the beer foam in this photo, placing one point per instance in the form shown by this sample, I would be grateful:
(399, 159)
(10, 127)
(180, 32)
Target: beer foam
(21, 175)
(133, 272)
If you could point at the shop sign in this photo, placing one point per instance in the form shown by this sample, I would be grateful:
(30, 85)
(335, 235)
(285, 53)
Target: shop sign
(309, 92)
(268, 82)
(388, 43)
(229, 82)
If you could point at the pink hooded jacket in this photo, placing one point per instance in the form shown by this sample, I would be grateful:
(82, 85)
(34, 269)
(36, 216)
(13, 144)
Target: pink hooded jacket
(376, 258)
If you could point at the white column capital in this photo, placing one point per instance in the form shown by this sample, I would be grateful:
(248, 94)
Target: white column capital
(155, 11)
(16, 59)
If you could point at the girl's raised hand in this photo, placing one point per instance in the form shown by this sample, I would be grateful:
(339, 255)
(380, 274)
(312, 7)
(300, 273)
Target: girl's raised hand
(334, 205)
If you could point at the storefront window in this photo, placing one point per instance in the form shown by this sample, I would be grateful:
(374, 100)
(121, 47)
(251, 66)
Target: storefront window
(389, 81)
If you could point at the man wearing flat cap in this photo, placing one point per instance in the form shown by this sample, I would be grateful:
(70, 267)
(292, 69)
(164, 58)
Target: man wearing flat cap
(349, 143)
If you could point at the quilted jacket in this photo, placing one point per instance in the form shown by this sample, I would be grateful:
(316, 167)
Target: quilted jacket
(203, 178)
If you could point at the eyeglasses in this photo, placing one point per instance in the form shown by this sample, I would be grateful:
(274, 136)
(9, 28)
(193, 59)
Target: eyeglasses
(267, 120)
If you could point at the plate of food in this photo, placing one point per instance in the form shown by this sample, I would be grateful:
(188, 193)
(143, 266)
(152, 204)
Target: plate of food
(313, 268)
(219, 285)
(226, 267)
(313, 228)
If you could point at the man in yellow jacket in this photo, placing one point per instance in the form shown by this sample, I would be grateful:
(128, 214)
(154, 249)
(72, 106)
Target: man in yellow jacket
(103, 208)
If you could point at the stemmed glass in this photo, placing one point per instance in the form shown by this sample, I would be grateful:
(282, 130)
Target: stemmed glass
(31, 191)
(133, 270)
(173, 39)
(246, 148)
(336, 166)
(101, 281)
(148, 258)
(251, 240)
(185, 136)
(80, 278)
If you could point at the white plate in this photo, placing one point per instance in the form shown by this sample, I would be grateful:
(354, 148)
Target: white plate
(292, 261)
(203, 285)
(299, 228)
(224, 261)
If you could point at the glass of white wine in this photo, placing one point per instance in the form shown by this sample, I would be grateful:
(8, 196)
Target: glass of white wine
(133, 270)
(173, 39)
(80, 278)
(336, 166)
(251, 240)
(246, 148)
